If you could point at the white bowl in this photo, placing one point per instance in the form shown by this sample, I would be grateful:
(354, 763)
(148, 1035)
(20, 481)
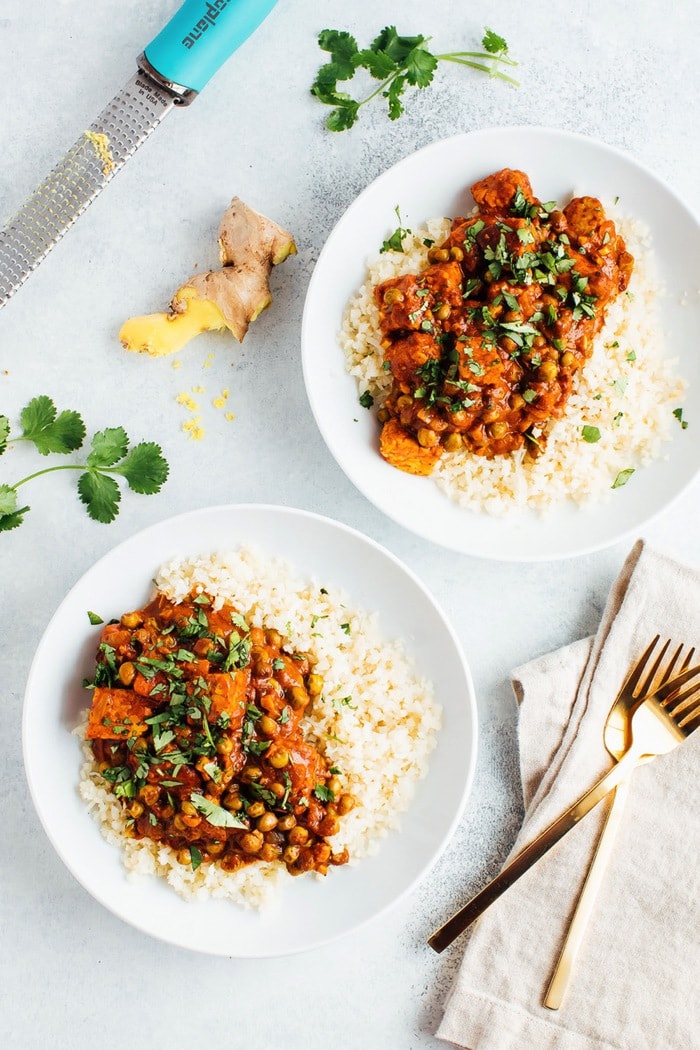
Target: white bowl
(311, 911)
(434, 182)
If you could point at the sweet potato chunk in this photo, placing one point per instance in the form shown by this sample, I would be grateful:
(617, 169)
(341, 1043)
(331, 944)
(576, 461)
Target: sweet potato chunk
(406, 355)
(228, 696)
(401, 450)
(496, 192)
(117, 714)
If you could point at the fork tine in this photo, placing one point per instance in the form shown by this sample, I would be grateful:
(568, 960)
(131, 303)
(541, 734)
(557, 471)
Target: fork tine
(681, 702)
(646, 686)
(690, 719)
(680, 695)
(650, 682)
(671, 664)
(668, 692)
(637, 671)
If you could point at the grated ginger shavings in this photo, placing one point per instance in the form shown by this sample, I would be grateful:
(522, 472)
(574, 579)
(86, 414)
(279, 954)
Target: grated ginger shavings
(102, 146)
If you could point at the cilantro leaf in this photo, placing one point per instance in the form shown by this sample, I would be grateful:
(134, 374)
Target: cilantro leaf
(393, 96)
(108, 447)
(145, 468)
(67, 433)
(396, 47)
(195, 857)
(11, 516)
(100, 495)
(38, 414)
(590, 434)
(420, 67)
(263, 793)
(216, 815)
(493, 43)
(324, 86)
(4, 433)
(343, 50)
(8, 499)
(394, 243)
(343, 117)
(323, 793)
(678, 413)
(377, 63)
(12, 521)
(48, 431)
(622, 478)
(94, 618)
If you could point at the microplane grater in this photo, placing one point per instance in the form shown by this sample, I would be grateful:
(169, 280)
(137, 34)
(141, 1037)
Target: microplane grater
(74, 183)
(172, 70)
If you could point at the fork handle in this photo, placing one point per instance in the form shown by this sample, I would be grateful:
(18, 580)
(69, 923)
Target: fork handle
(459, 922)
(587, 898)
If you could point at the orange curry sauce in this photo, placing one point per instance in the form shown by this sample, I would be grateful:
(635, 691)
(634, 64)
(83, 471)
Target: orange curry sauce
(195, 724)
(484, 344)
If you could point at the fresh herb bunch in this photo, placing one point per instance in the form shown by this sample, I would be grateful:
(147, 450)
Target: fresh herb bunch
(143, 466)
(397, 62)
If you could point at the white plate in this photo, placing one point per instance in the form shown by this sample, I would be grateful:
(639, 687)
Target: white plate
(435, 182)
(311, 911)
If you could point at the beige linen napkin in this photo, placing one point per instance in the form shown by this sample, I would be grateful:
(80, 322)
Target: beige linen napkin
(636, 983)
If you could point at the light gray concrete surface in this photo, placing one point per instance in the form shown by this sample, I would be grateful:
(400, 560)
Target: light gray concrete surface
(71, 974)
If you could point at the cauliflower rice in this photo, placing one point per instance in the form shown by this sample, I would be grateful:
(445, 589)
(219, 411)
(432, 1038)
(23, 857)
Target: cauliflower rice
(628, 390)
(376, 721)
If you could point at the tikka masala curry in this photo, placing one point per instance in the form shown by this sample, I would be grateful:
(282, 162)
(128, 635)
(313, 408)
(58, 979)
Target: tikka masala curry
(484, 344)
(195, 724)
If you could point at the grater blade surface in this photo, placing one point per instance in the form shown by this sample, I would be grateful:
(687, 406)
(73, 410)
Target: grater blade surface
(74, 183)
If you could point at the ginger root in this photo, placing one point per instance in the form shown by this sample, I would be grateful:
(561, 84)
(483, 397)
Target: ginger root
(249, 246)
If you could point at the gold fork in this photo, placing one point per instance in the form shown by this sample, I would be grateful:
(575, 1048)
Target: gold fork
(615, 737)
(660, 723)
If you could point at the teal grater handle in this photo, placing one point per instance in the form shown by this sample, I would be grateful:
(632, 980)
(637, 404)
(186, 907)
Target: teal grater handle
(200, 37)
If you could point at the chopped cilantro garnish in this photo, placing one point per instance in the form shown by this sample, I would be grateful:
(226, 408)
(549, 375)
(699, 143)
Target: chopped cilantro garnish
(263, 793)
(323, 793)
(394, 243)
(622, 478)
(214, 814)
(590, 434)
(344, 701)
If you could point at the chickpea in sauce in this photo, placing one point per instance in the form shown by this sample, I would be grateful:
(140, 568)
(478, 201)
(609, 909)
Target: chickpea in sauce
(196, 725)
(484, 344)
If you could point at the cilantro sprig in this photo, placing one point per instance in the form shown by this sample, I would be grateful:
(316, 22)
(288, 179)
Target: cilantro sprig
(397, 62)
(143, 466)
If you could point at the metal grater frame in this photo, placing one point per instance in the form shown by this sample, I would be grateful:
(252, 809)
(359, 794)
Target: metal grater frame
(73, 184)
